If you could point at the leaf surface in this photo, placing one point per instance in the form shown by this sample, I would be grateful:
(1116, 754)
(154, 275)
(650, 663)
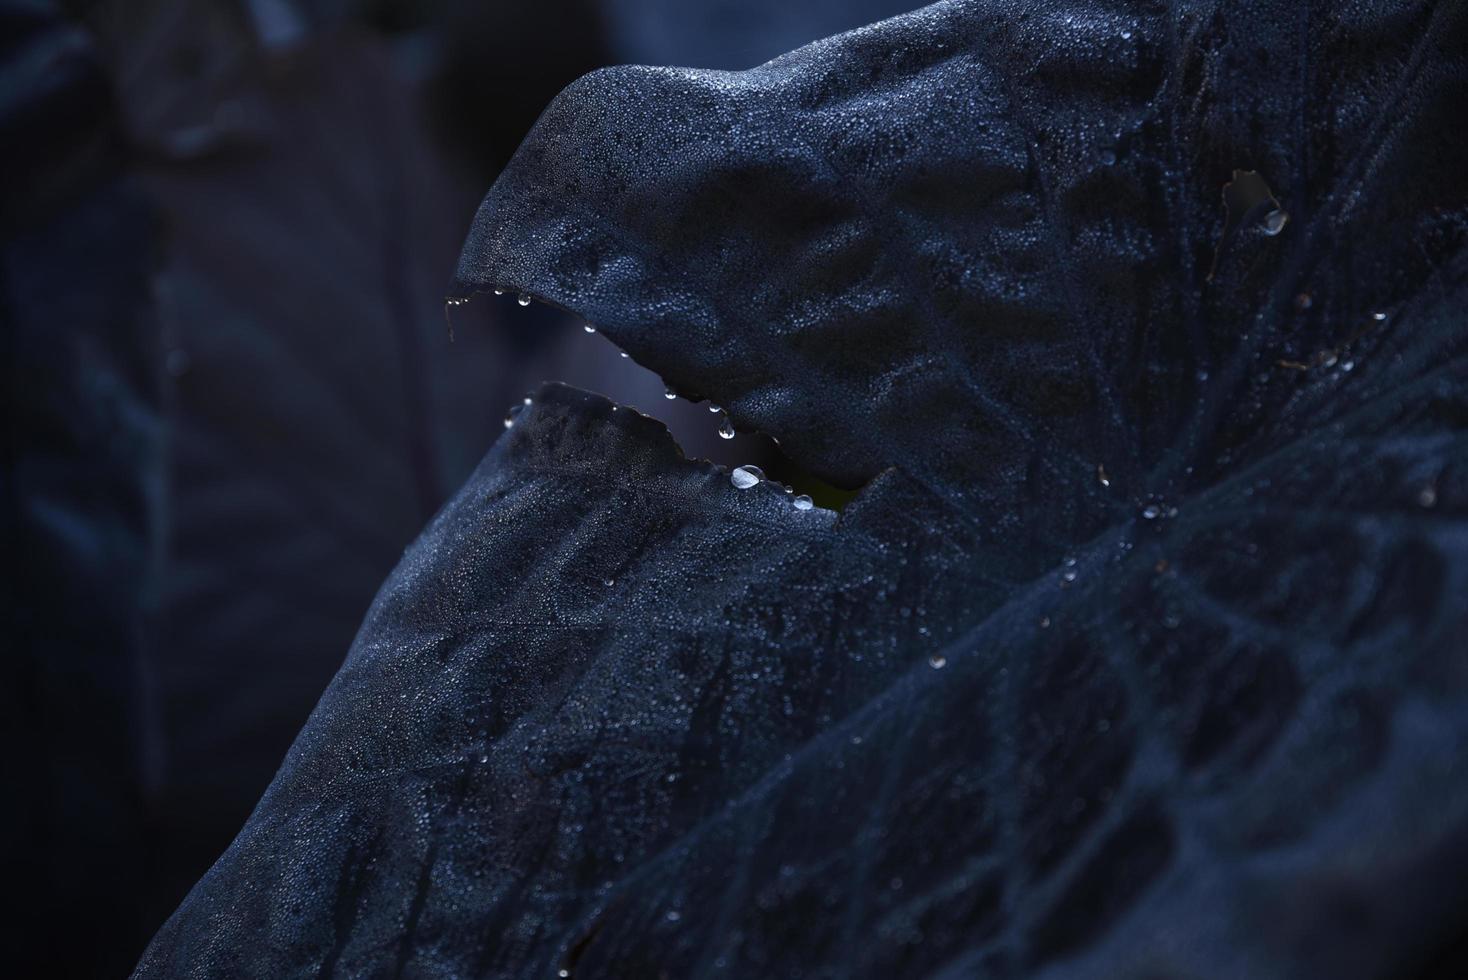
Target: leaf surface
(1140, 651)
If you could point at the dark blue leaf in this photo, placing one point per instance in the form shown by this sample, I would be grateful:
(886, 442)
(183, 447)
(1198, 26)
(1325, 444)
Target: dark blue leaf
(1140, 651)
(83, 448)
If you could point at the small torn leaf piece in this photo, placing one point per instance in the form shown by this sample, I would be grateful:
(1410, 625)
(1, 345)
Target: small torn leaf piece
(1247, 201)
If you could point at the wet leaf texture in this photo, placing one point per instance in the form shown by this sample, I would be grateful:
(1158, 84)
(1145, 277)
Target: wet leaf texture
(1140, 652)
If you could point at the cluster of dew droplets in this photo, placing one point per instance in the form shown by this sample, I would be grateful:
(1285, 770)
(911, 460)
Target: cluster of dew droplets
(749, 475)
(1153, 510)
(516, 409)
(726, 427)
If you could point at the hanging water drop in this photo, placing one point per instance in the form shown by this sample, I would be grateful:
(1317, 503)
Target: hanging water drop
(937, 661)
(1151, 512)
(1275, 221)
(498, 291)
(623, 353)
(714, 408)
(588, 328)
(669, 394)
(745, 477)
(803, 502)
(509, 421)
(726, 429)
(523, 299)
(1378, 317)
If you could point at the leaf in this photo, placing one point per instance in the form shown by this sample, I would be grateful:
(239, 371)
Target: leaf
(316, 413)
(1139, 652)
(317, 417)
(78, 242)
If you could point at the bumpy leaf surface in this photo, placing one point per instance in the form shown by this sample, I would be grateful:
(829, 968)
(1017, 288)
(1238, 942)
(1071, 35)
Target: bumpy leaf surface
(1141, 651)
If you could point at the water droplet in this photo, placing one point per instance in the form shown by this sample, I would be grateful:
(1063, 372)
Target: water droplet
(745, 477)
(1101, 475)
(623, 353)
(714, 408)
(1275, 221)
(498, 291)
(803, 502)
(1427, 496)
(609, 582)
(1044, 622)
(1348, 365)
(1151, 512)
(1108, 157)
(585, 326)
(937, 661)
(674, 915)
(1378, 317)
(1126, 35)
(1069, 575)
(726, 430)
(509, 421)
(523, 299)
(1304, 301)
(563, 973)
(669, 394)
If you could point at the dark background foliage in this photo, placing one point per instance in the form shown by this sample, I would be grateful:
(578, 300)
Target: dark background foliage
(1138, 654)
(231, 399)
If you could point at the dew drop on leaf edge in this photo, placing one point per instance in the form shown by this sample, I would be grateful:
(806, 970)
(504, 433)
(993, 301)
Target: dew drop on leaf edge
(744, 477)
